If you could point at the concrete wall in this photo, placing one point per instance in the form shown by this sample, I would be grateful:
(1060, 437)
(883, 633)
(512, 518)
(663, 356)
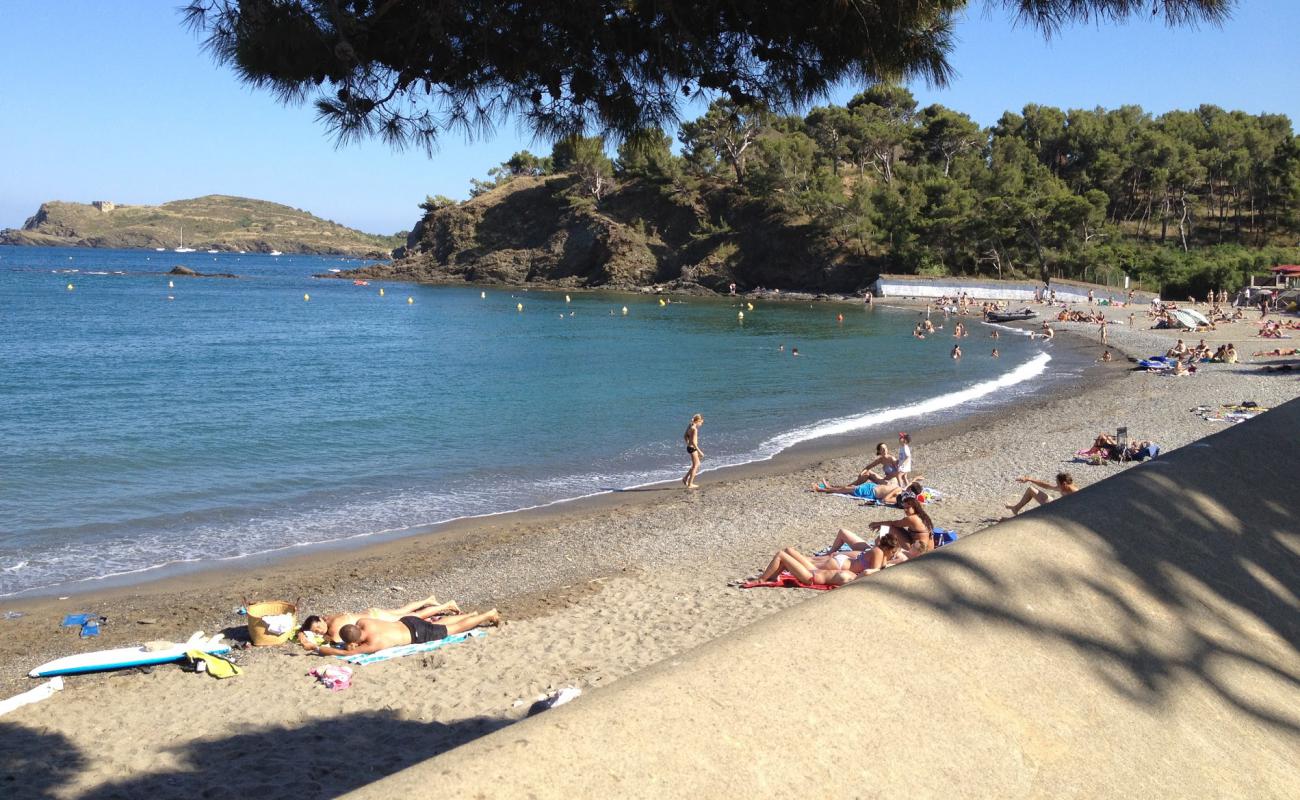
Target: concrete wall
(1140, 638)
(1022, 291)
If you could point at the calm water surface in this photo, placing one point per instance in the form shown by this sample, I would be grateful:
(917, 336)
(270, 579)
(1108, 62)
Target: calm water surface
(144, 425)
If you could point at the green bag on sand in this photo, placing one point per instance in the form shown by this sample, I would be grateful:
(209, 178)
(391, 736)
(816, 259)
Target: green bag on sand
(214, 665)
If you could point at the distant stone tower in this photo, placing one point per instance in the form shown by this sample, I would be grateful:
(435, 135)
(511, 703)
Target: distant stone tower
(104, 205)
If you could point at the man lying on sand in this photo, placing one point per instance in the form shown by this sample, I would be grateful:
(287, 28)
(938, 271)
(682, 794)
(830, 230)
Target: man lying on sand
(879, 493)
(330, 625)
(1064, 484)
(372, 635)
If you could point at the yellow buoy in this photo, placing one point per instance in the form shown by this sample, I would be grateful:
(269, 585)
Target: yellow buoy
(70, 287)
(171, 285)
(381, 292)
(410, 301)
(740, 315)
(566, 298)
(661, 302)
(306, 297)
(750, 306)
(625, 311)
(519, 306)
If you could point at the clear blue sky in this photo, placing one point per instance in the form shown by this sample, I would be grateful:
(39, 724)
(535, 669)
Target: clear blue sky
(115, 101)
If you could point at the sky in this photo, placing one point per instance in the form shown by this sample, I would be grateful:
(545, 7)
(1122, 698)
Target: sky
(116, 101)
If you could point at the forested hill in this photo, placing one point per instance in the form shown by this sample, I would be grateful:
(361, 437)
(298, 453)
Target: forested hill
(212, 222)
(1185, 200)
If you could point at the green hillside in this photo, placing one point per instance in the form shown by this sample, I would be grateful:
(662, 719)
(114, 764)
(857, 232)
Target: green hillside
(212, 222)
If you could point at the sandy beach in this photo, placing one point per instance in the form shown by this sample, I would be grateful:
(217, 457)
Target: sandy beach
(593, 591)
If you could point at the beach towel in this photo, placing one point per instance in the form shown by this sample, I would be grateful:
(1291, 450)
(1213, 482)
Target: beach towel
(411, 649)
(786, 581)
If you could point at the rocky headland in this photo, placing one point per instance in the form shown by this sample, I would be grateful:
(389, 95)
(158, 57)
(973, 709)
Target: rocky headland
(541, 231)
(212, 222)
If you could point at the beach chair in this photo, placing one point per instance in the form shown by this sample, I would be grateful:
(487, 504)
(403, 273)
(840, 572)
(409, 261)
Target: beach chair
(1121, 443)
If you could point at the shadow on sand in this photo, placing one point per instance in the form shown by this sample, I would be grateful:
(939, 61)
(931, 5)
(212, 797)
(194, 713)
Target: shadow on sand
(322, 759)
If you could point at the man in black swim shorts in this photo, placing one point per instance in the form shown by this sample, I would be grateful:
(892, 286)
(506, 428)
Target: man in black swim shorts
(423, 631)
(369, 635)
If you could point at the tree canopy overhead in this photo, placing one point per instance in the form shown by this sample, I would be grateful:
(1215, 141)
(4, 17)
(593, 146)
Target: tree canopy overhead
(410, 70)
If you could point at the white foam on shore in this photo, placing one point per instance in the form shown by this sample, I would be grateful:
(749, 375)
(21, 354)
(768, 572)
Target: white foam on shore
(835, 427)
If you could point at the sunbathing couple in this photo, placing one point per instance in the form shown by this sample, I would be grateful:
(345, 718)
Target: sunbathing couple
(909, 537)
(377, 629)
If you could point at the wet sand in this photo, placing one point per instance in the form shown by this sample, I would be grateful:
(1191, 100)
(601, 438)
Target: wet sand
(594, 590)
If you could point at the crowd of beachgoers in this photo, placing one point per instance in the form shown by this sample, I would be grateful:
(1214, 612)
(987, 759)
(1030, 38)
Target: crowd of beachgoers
(851, 556)
(605, 590)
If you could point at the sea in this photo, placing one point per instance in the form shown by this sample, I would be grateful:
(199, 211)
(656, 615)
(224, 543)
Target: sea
(150, 421)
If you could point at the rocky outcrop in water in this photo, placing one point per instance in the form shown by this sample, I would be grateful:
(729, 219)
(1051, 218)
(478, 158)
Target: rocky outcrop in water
(186, 272)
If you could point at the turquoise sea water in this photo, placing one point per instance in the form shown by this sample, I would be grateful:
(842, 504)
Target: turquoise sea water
(237, 418)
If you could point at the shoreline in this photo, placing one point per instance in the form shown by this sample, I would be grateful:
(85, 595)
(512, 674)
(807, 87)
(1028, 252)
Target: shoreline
(592, 593)
(802, 454)
(354, 541)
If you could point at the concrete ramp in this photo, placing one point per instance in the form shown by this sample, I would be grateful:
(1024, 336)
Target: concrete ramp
(1138, 639)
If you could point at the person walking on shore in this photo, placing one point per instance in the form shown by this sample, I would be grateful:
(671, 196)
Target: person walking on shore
(692, 437)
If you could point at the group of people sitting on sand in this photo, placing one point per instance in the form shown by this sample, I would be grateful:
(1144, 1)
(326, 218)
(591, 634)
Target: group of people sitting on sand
(378, 629)
(1068, 315)
(1273, 328)
(901, 539)
(1108, 448)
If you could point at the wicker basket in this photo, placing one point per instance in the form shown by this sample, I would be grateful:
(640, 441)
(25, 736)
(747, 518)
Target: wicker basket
(257, 633)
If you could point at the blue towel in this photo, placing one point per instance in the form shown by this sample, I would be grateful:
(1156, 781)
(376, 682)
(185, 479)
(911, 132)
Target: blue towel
(411, 649)
(73, 620)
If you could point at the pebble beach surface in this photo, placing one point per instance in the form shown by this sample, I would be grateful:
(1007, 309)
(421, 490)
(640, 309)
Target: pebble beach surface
(592, 592)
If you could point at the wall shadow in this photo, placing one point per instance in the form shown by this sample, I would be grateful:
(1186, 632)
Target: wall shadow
(1194, 573)
(34, 764)
(322, 759)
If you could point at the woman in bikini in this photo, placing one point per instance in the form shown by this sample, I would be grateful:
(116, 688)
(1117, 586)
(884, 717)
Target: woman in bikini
(835, 569)
(887, 463)
(916, 525)
(692, 437)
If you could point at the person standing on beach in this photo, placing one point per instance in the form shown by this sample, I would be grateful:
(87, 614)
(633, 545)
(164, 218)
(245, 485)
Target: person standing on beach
(904, 457)
(692, 437)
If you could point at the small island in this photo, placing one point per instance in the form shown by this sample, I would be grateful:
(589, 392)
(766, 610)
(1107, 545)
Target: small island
(212, 222)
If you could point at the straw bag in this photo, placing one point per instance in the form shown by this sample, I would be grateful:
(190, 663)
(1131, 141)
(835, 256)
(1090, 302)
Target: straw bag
(257, 630)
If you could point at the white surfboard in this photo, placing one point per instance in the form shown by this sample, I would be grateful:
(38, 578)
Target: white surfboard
(123, 657)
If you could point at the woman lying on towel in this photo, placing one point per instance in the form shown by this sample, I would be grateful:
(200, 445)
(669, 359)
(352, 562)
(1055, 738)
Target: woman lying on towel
(835, 569)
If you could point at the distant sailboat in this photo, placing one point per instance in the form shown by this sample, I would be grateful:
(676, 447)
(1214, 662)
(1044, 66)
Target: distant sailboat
(183, 248)
(276, 253)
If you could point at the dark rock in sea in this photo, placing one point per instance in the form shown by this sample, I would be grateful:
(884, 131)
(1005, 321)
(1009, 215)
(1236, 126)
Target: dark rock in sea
(189, 273)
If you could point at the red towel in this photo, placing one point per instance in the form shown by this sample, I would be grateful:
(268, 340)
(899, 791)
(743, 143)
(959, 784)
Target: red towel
(787, 581)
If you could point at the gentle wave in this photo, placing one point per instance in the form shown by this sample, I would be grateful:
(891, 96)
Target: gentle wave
(434, 508)
(1028, 371)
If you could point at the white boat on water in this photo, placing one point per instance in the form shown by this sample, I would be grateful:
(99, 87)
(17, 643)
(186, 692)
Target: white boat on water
(214, 251)
(183, 248)
(161, 249)
(276, 253)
